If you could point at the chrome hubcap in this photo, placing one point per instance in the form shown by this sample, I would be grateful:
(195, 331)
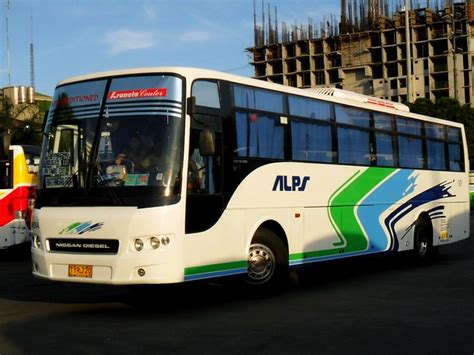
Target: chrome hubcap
(261, 263)
(422, 247)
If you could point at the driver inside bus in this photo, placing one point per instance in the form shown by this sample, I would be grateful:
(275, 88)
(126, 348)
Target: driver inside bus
(117, 172)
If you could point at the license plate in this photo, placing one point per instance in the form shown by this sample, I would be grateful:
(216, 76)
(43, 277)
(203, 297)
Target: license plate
(80, 271)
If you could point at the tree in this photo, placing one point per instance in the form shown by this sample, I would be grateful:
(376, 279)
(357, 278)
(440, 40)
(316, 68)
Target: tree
(25, 130)
(449, 109)
(423, 107)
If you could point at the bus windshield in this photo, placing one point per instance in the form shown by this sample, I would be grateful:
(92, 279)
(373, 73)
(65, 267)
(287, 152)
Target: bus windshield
(114, 142)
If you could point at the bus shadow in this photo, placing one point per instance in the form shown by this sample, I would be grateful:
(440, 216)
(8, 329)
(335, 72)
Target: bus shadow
(21, 252)
(336, 272)
(109, 316)
(22, 286)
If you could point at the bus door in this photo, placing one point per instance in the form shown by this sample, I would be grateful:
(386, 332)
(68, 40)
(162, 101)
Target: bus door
(205, 199)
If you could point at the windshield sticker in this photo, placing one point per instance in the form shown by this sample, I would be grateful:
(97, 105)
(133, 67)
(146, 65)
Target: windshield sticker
(137, 180)
(68, 101)
(57, 170)
(137, 93)
(58, 181)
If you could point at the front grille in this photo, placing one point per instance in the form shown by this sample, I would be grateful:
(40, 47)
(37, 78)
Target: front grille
(83, 246)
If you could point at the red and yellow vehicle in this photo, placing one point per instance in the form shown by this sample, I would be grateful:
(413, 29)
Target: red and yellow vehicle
(18, 175)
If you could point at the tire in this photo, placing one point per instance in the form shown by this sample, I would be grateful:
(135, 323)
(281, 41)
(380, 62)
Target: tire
(423, 249)
(267, 262)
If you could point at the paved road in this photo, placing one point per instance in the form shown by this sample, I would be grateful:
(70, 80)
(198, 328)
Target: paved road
(361, 306)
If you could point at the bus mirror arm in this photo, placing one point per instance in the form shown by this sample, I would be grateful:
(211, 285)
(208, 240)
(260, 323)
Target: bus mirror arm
(207, 145)
(191, 105)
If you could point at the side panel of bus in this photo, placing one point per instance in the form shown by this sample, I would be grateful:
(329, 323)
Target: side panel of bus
(471, 188)
(16, 201)
(340, 211)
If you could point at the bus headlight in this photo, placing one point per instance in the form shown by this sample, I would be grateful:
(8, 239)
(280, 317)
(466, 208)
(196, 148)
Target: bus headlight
(165, 240)
(155, 242)
(138, 244)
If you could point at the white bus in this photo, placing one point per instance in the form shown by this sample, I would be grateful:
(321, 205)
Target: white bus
(166, 175)
(471, 188)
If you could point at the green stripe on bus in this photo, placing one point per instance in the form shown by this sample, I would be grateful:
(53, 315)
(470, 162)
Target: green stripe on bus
(194, 270)
(332, 218)
(314, 254)
(345, 203)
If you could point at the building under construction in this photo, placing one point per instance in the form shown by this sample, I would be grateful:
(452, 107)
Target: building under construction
(365, 51)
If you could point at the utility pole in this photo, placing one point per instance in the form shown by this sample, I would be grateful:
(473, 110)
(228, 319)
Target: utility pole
(32, 57)
(7, 8)
(408, 54)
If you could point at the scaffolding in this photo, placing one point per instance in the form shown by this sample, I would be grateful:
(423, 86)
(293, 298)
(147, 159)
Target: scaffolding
(366, 50)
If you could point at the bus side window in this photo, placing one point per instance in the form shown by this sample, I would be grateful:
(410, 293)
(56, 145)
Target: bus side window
(259, 136)
(311, 141)
(207, 94)
(384, 151)
(456, 159)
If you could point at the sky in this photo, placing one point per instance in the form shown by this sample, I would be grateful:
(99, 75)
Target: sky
(75, 37)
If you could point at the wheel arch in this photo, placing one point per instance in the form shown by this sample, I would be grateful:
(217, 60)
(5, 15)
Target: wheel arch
(423, 239)
(425, 217)
(276, 229)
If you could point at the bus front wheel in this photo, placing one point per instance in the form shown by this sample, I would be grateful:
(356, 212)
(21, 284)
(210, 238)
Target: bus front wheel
(267, 261)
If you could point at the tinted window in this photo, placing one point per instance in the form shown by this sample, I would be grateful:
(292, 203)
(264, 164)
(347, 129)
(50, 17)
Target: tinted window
(259, 135)
(382, 121)
(383, 143)
(353, 146)
(434, 130)
(311, 141)
(206, 93)
(408, 126)
(300, 106)
(455, 162)
(351, 115)
(410, 152)
(454, 134)
(257, 99)
(435, 157)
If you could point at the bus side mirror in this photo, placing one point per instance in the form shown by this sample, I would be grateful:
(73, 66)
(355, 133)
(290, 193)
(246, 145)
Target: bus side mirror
(5, 139)
(191, 105)
(207, 145)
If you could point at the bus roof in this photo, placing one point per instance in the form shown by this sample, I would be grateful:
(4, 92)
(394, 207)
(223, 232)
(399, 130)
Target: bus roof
(199, 73)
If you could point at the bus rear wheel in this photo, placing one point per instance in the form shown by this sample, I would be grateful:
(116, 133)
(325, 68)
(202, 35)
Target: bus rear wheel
(267, 261)
(423, 241)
